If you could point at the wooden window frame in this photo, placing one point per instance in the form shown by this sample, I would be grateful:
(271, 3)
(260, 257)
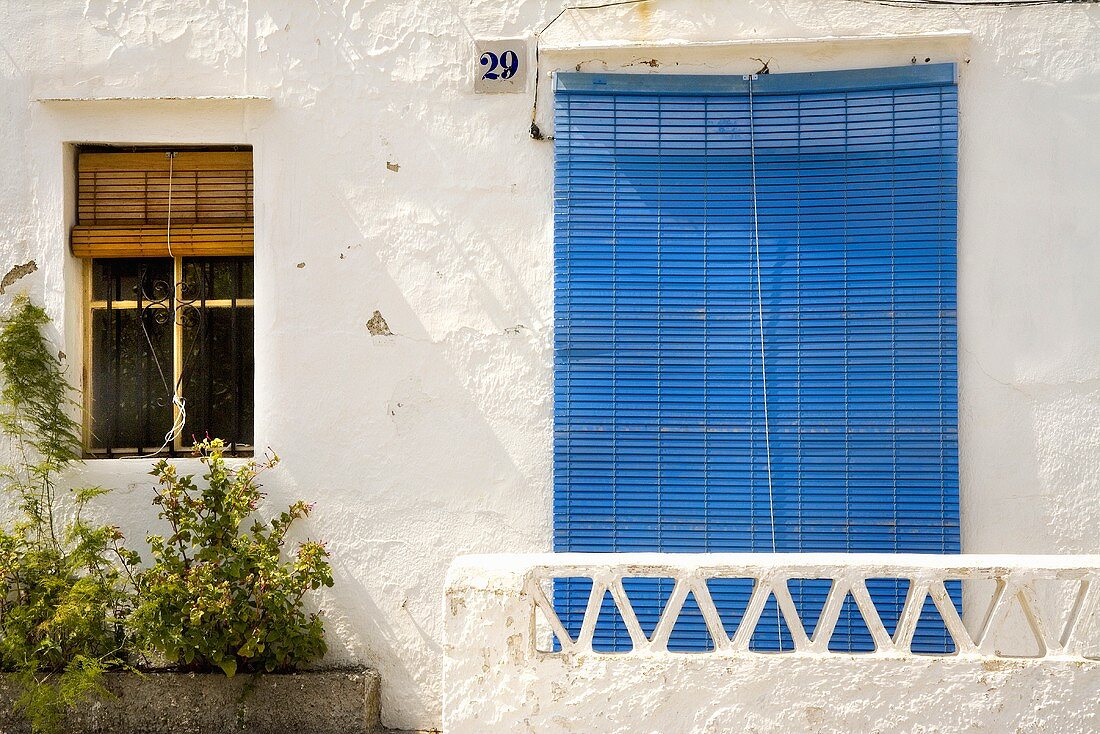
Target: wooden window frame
(190, 238)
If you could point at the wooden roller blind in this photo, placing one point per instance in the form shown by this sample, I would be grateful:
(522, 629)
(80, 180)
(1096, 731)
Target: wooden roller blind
(123, 204)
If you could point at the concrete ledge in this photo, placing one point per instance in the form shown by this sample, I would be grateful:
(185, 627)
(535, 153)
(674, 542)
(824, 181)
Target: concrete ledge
(500, 676)
(315, 702)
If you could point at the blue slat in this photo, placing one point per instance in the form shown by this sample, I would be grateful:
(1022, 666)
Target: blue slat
(659, 421)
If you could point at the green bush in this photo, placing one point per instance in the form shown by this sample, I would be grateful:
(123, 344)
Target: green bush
(64, 593)
(219, 594)
(73, 602)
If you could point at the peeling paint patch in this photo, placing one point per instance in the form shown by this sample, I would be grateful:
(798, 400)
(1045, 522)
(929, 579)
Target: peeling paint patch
(377, 325)
(393, 166)
(19, 271)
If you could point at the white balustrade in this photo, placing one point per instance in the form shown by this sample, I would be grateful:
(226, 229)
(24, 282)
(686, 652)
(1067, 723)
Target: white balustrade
(1014, 579)
(1024, 659)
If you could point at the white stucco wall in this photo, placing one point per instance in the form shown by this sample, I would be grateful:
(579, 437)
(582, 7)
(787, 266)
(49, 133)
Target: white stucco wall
(436, 441)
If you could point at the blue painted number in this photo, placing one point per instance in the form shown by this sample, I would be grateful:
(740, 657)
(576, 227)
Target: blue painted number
(507, 62)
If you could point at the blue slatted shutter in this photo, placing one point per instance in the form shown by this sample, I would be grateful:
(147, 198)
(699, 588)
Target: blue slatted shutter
(659, 433)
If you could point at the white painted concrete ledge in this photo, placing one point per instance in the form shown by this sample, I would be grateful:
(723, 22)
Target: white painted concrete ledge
(957, 36)
(500, 674)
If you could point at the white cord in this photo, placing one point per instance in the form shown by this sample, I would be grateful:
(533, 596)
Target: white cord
(178, 400)
(763, 367)
(177, 427)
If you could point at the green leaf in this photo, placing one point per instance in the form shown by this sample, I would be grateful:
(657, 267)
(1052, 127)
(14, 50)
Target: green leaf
(230, 597)
(229, 667)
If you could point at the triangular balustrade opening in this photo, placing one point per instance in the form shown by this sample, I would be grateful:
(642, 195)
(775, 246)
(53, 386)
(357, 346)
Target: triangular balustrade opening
(809, 597)
(1010, 634)
(611, 634)
(888, 596)
(1054, 601)
(851, 633)
(690, 634)
(648, 597)
(730, 597)
(979, 595)
(570, 599)
(930, 637)
(771, 633)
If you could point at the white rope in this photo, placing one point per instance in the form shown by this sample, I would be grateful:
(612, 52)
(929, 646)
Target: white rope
(178, 401)
(763, 366)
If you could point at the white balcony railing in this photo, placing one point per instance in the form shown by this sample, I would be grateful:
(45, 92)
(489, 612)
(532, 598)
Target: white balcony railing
(1013, 580)
(1025, 650)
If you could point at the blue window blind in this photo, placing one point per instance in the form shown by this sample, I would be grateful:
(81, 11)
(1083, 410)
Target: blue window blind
(659, 379)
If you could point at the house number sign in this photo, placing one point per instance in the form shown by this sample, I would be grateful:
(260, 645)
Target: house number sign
(500, 65)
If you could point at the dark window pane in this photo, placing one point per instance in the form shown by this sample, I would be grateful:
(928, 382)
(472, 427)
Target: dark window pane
(218, 374)
(131, 406)
(126, 279)
(131, 398)
(217, 278)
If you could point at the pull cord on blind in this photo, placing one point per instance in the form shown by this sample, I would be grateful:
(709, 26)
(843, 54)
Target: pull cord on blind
(760, 323)
(179, 419)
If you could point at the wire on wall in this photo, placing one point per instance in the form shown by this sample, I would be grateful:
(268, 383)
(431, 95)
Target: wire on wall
(535, 132)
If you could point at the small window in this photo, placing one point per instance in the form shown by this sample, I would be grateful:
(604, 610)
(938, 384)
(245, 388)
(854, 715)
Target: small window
(167, 242)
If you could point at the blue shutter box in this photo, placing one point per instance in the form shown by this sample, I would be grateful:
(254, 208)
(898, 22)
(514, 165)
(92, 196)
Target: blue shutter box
(659, 413)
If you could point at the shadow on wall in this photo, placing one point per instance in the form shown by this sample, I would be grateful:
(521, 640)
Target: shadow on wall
(407, 364)
(411, 453)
